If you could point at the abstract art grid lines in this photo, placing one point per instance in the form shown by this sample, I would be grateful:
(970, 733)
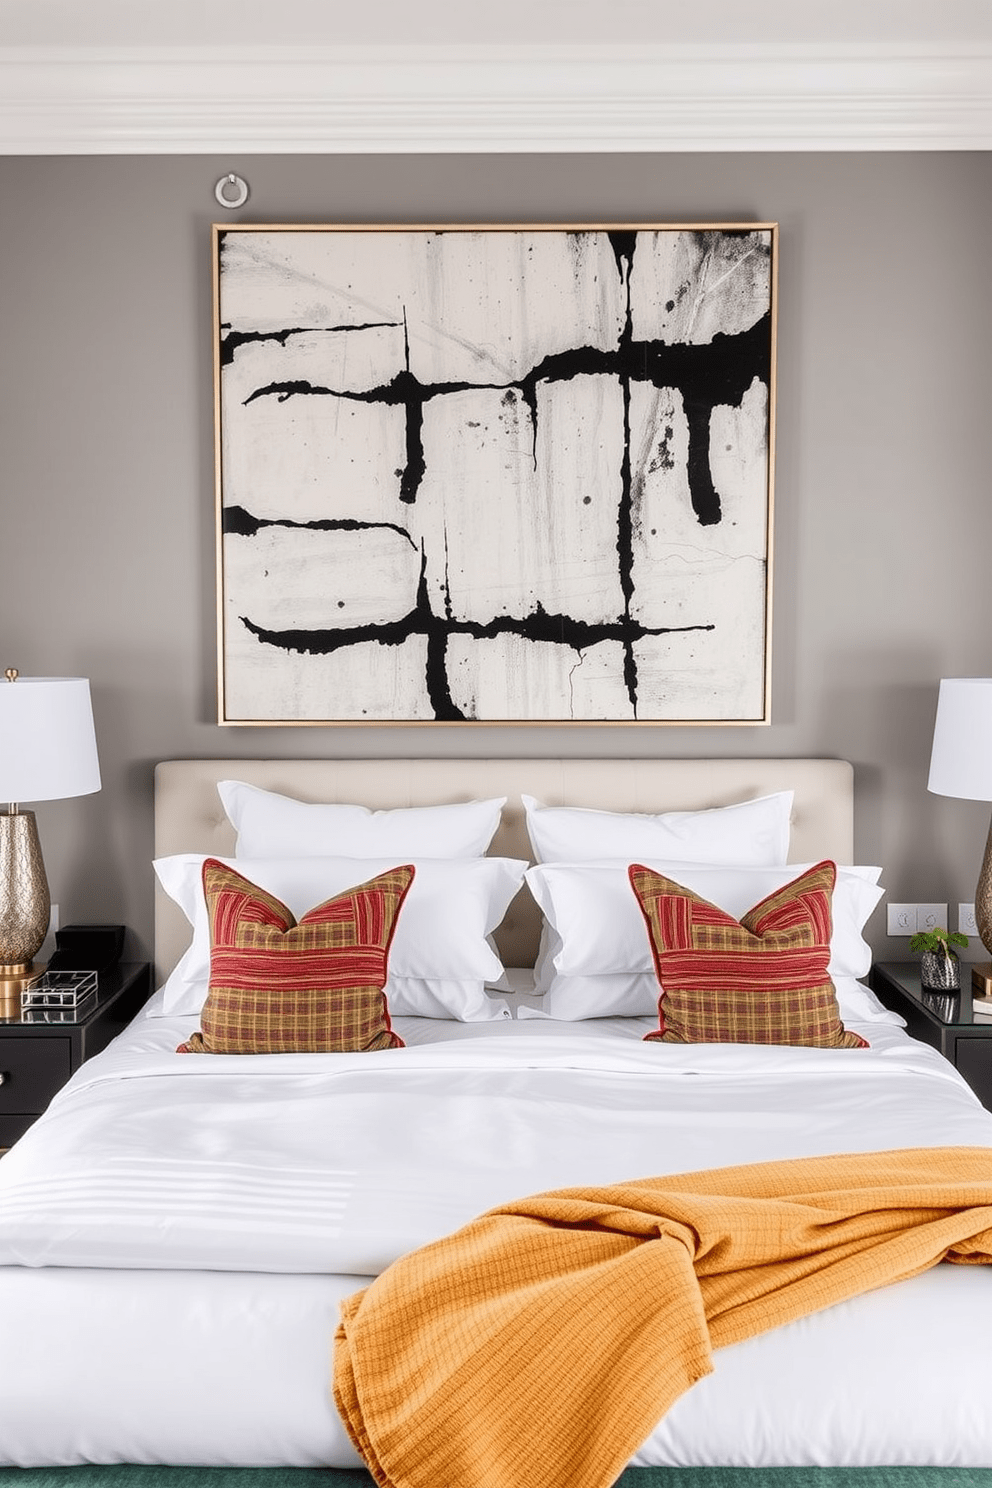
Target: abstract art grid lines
(494, 475)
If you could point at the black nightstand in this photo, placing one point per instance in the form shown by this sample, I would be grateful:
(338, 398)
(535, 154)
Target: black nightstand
(942, 1019)
(36, 1059)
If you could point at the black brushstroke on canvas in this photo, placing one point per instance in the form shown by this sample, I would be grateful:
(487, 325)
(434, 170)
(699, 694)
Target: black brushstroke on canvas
(624, 245)
(232, 341)
(563, 630)
(719, 372)
(240, 523)
(539, 625)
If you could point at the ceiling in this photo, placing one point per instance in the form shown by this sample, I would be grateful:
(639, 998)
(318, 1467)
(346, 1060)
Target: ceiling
(61, 23)
(319, 76)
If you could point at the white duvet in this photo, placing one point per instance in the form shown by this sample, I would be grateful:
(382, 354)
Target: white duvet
(197, 1218)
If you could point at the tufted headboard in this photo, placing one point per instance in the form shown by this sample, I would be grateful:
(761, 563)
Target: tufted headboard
(189, 816)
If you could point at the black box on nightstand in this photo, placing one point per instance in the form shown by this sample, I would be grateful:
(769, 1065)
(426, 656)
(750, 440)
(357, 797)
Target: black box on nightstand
(87, 948)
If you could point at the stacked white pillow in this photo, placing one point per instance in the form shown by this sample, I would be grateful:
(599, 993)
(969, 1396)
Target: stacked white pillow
(595, 957)
(441, 957)
(270, 825)
(749, 832)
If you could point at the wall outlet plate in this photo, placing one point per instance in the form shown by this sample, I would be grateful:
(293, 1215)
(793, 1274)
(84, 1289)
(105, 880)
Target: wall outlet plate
(901, 919)
(966, 919)
(908, 919)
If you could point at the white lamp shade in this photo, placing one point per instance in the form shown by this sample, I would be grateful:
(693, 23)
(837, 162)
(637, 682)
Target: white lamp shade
(47, 740)
(961, 759)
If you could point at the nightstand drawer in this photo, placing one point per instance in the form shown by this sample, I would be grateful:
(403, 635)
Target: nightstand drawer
(31, 1071)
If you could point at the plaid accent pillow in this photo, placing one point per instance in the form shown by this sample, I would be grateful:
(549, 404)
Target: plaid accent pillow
(762, 980)
(278, 987)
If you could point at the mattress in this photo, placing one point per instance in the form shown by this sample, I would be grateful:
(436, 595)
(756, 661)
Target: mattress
(176, 1233)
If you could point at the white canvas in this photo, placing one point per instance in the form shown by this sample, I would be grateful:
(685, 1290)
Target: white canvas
(494, 475)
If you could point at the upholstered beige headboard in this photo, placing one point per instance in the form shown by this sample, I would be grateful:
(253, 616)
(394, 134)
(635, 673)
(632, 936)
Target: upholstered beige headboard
(190, 818)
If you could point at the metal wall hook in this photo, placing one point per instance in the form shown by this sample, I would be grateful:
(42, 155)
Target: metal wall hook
(231, 191)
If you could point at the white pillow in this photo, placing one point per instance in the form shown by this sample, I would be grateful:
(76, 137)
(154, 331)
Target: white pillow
(858, 1004)
(573, 999)
(752, 832)
(597, 954)
(440, 957)
(273, 826)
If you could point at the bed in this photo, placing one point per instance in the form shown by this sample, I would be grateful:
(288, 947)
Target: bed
(203, 1218)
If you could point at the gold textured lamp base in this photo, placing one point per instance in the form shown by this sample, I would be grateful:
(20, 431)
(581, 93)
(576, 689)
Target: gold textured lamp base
(25, 904)
(981, 972)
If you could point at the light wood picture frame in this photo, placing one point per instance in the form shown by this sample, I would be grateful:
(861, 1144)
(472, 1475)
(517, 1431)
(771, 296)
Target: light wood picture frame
(502, 474)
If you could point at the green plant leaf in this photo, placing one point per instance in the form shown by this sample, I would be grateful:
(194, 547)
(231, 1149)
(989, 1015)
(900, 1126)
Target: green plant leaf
(938, 939)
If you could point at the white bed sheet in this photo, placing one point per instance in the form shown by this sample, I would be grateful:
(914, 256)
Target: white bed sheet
(198, 1219)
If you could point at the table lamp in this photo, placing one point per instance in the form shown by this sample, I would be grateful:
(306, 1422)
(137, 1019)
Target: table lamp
(47, 752)
(961, 765)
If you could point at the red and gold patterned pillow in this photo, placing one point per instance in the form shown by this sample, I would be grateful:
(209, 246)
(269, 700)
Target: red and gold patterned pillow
(760, 980)
(278, 987)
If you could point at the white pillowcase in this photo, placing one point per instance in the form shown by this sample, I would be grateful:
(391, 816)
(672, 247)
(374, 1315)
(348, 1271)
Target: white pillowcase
(579, 998)
(858, 1004)
(596, 959)
(440, 957)
(274, 826)
(752, 832)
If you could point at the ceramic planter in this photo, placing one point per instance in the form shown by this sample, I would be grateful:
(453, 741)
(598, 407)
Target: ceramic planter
(940, 973)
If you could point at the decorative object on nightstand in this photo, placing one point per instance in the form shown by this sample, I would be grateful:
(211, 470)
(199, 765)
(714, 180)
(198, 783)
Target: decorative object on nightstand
(67, 992)
(87, 948)
(961, 765)
(47, 753)
(940, 969)
(45, 1042)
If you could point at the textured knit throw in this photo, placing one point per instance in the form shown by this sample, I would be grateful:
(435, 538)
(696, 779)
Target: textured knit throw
(539, 1346)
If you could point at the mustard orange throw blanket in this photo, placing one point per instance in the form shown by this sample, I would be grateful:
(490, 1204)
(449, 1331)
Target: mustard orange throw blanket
(539, 1346)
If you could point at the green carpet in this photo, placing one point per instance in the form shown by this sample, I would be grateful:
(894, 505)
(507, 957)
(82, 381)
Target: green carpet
(634, 1477)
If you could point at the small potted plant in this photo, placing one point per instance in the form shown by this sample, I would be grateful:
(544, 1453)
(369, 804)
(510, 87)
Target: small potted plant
(939, 968)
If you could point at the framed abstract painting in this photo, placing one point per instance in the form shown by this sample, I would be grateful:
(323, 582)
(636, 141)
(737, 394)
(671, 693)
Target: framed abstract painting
(515, 474)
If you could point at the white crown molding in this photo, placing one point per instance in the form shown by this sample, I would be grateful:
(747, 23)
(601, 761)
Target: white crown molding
(412, 99)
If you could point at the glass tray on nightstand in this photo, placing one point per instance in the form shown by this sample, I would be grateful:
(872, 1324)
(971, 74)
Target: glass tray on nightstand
(60, 991)
(50, 997)
(75, 1014)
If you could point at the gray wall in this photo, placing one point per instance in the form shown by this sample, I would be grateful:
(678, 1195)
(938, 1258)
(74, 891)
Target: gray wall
(882, 529)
